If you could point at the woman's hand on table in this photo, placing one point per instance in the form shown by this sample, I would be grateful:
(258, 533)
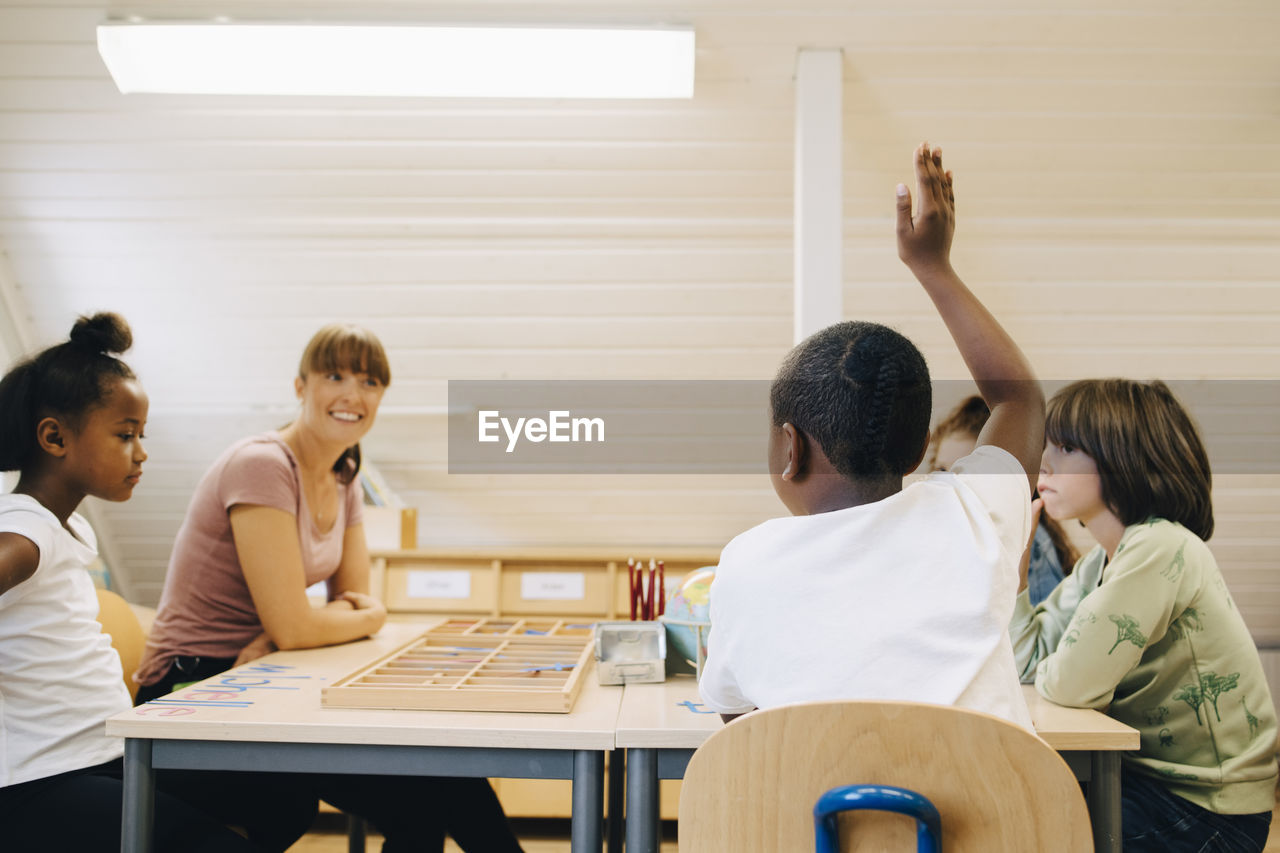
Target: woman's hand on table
(361, 601)
(374, 609)
(258, 647)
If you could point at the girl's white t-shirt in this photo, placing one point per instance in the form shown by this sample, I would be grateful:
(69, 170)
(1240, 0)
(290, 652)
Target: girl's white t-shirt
(905, 599)
(59, 677)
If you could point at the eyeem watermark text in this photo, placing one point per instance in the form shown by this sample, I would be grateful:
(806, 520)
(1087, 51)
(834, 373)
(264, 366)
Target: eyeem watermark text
(559, 426)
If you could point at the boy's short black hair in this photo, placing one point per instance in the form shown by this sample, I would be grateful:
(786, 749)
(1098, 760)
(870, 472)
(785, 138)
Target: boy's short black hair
(860, 390)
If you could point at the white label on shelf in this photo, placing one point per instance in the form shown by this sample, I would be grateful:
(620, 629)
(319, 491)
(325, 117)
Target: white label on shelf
(439, 584)
(557, 586)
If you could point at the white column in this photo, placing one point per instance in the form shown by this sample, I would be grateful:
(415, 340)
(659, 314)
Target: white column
(16, 338)
(13, 343)
(819, 207)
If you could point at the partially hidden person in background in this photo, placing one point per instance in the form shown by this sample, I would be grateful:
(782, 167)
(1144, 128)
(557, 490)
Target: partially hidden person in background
(1051, 555)
(871, 590)
(276, 513)
(1145, 629)
(71, 422)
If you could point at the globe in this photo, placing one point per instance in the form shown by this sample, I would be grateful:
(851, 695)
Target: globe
(688, 616)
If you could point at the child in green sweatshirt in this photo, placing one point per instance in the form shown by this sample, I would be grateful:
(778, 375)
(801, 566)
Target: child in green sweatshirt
(1144, 627)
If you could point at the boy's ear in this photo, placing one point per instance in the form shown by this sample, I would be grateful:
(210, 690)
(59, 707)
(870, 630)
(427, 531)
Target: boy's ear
(297, 386)
(51, 436)
(796, 447)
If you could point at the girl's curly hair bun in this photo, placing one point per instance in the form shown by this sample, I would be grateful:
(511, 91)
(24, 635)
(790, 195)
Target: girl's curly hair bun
(104, 332)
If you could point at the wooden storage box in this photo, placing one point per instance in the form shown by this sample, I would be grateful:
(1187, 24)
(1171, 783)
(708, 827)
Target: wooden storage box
(455, 585)
(521, 582)
(475, 665)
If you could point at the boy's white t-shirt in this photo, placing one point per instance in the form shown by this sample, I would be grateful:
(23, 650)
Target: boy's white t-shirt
(906, 599)
(59, 677)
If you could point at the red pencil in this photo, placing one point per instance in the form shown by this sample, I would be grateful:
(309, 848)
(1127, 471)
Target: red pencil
(662, 588)
(631, 578)
(640, 585)
(639, 591)
(642, 594)
(652, 590)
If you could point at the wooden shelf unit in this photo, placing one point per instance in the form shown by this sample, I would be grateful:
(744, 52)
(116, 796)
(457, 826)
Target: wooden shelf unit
(510, 582)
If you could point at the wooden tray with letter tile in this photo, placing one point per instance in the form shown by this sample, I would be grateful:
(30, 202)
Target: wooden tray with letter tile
(476, 664)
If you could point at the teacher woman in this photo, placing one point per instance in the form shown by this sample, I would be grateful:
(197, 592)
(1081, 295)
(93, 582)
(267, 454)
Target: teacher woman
(276, 513)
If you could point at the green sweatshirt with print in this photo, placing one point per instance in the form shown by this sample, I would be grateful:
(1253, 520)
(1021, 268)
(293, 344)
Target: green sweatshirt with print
(1154, 639)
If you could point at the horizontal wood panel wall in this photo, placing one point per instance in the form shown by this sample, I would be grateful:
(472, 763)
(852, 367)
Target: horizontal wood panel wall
(1119, 209)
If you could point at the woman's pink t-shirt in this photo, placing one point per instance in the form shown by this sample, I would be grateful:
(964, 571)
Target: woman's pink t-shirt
(206, 609)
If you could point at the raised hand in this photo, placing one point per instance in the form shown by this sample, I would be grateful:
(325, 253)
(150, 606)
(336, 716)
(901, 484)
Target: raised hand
(1003, 374)
(924, 241)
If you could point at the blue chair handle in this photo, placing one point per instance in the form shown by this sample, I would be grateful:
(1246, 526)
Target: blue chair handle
(883, 798)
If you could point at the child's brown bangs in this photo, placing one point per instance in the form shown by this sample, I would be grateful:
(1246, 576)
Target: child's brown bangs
(1063, 418)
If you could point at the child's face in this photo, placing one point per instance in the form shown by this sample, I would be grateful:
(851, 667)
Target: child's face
(1069, 484)
(104, 457)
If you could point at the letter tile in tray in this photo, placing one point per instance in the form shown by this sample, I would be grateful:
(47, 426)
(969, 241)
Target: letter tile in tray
(476, 664)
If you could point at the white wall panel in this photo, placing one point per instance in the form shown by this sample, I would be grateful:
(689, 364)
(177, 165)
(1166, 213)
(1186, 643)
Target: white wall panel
(1117, 163)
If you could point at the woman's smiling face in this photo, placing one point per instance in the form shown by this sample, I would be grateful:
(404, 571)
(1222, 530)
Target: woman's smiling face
(340, 404)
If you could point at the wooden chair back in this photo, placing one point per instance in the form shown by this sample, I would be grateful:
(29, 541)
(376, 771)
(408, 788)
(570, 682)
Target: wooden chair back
(127, 637)
(752, 786)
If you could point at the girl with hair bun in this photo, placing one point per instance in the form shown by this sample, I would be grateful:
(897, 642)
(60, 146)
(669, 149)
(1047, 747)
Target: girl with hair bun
(872, 590)
(71, 422)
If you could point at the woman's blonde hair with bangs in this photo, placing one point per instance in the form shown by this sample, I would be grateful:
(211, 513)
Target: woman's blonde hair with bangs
(342, 346)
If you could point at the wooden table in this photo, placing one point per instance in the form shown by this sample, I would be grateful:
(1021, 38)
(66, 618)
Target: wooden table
(660, 726)
(267, 715)
(1091, 743)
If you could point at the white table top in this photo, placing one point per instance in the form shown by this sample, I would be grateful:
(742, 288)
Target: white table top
(670, 716)
(277, 699)
(656, 715)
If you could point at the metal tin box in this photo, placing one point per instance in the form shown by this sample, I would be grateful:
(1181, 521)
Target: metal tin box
(630, 652)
